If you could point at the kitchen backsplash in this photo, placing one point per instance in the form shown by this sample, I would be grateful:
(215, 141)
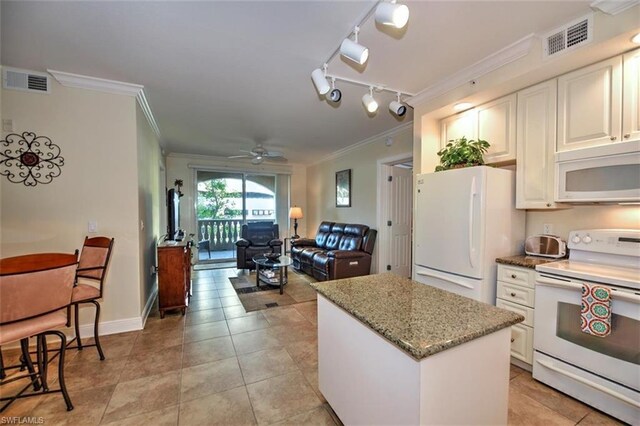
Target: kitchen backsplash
(583, 217)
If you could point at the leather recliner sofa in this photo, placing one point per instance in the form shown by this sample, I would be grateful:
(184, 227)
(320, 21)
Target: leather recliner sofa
(339, 251)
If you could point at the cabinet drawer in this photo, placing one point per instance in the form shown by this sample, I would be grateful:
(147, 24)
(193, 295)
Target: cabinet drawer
(522, 343)
(516, 294)
(525, 311)
(515, 275)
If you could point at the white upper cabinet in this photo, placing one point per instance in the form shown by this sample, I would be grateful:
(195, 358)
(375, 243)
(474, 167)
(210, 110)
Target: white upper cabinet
(535, 146)
(631, 106)
(497, 125)
(590, 106)
(458, 126)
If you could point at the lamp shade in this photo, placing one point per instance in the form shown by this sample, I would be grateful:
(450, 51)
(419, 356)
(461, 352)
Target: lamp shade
(295, 213)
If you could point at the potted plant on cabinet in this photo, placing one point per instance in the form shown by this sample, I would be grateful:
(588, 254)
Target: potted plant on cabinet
(462, 153)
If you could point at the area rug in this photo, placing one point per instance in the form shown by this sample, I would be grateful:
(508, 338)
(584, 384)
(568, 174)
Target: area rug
(255, 298)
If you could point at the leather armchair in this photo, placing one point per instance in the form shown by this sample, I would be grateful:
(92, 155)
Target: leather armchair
(257, 238)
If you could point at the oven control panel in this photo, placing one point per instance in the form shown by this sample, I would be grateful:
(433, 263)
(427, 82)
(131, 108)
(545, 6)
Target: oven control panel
(624, 242)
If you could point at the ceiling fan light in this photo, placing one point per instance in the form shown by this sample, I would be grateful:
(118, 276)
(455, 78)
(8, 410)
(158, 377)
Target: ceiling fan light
(396, 15)
(354, 51)
(320, 81)
(369, 103)
(398, 108)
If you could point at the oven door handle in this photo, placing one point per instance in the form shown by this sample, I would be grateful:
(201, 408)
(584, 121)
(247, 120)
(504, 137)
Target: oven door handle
(589, 383)
(615, 294)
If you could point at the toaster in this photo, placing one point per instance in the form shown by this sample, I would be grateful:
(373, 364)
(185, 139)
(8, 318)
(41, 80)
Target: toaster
(546, 246)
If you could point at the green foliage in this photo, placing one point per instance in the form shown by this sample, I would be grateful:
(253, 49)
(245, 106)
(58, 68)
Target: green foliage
(462, 153)
(213, 201)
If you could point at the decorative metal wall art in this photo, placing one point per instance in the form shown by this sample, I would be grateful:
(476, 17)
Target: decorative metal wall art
(30, 159)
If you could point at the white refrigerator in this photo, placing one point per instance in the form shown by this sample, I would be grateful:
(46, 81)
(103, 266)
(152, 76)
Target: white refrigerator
(464, 219)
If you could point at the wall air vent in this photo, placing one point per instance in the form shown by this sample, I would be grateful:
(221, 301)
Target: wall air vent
(571, 36)
(29, 81)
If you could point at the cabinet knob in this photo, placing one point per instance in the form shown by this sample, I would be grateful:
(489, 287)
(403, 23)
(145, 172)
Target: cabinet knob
(514, 276)
(513, 340)
(513, 294)
(627, 135)
(613, 138)
(548, 204)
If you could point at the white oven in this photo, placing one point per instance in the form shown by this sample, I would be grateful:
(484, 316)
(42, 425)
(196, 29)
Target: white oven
(609, 173)
(601, 371)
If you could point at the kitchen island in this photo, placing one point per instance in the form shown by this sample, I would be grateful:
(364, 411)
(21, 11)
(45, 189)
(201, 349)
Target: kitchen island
(395, 351)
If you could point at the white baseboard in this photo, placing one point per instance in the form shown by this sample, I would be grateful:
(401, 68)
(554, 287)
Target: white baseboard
(147, 307)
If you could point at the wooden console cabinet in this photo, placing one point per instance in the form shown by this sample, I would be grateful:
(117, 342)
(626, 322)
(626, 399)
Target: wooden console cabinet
(174, 275)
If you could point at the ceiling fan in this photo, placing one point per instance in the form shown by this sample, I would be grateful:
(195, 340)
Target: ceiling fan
(260, 154)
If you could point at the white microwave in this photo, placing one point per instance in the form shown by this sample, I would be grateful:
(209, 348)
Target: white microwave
(603, 174)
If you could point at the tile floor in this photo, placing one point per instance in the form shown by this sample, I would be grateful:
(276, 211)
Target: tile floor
(221, 365)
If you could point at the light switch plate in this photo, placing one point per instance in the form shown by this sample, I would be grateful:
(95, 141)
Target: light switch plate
(92, 226)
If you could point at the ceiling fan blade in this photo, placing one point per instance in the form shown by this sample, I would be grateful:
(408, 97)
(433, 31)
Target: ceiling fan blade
(274, 154)
(240, 156)
(276, 159)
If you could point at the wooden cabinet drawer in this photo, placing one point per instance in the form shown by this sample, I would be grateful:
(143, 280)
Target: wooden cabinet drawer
(516, 294)
(516, 275)
(525, 311)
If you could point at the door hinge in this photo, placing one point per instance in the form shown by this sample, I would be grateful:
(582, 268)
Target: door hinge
(389, 178)
(388, 267)
(388, 223)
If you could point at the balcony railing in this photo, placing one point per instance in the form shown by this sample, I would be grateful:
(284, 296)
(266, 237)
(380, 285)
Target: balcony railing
(222, 234)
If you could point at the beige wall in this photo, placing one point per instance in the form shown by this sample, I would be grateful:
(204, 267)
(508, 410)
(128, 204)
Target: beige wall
(150, 200)
(182, 166)
(97, 135)
(362, 159)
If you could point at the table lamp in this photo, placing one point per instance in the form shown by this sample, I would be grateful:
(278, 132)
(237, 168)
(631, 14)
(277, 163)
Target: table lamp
(295, 213)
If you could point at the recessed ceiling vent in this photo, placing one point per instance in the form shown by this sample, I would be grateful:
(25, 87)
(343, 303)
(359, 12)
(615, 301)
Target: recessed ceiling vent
(571, 36)
(28, 81)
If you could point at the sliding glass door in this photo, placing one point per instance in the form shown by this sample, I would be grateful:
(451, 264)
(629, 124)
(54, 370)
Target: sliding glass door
(225, 201)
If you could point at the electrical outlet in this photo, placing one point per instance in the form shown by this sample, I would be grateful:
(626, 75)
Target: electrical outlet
(92, 226)
(547, 229)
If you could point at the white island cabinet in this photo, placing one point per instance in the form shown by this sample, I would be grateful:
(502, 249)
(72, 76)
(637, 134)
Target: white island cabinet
(392, 351)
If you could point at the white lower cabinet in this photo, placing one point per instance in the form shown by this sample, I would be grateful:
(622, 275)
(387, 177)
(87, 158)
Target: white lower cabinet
(516, 293)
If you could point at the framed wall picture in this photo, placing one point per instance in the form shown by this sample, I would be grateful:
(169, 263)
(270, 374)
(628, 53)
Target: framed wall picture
(343, 188)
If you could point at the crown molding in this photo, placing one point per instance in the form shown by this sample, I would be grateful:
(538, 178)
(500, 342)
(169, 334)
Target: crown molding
(146, 109)
(374, 138)
(93, 83)
(492, 62)
(78, 81)
(613, 7)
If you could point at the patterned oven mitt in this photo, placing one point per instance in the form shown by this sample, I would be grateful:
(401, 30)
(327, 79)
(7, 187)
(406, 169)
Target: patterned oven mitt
(595, 315)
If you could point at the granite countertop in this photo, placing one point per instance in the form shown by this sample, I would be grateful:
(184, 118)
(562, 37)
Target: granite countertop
(525, 261)
(417, 318)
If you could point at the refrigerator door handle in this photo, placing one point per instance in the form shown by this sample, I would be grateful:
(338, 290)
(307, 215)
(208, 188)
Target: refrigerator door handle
(472, 195)
(445, 277)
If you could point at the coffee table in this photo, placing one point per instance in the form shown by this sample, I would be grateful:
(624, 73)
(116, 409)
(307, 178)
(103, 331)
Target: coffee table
(278, 266)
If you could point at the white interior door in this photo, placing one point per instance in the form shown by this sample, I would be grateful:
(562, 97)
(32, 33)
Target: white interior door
(400, 216)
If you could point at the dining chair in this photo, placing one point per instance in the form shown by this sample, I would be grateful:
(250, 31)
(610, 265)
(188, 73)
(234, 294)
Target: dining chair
(34, 292)
(90, 278)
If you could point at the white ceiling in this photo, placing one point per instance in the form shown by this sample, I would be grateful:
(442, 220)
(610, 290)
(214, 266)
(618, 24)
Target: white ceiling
(221, 75)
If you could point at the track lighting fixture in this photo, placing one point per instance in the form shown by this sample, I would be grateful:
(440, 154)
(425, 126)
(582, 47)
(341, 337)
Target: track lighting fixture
(396, 15)
(397, 107)
(320, 80)
(350, 49)
(369, 101)
(335, 95)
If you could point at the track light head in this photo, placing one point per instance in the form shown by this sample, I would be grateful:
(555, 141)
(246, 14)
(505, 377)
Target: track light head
(369, 102)
(352, 50)
(335, 95)
(396, 15)
(398, 108)
(320, 81)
